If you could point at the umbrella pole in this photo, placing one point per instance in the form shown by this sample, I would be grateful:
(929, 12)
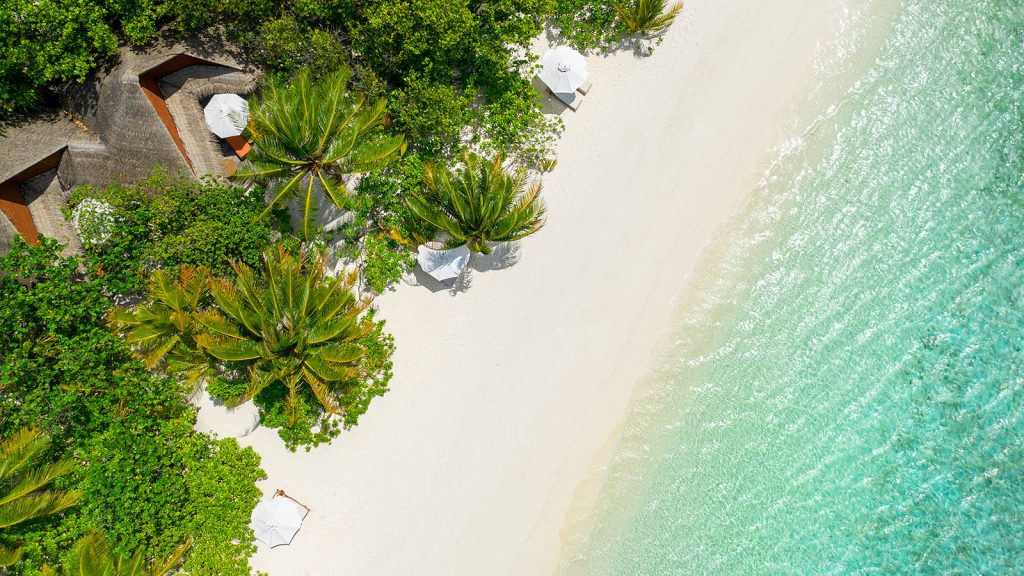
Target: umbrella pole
(280, 492)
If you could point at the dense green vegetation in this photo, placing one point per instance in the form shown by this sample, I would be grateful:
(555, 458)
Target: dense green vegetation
(285, 334)
(417, 118)
(147, 480)
(93, 556)
(167, 221)
(448, 68)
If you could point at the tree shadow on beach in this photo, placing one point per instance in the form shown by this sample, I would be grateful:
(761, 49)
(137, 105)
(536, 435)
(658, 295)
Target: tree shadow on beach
(418, 277)
(641, 45)
(503, 255)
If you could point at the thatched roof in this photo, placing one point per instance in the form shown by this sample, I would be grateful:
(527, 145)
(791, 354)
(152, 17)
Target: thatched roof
(7, 233)
(32, 151)
(26, 141)
(46, 198)
(186, 92)
(119, 104)
(142, 112)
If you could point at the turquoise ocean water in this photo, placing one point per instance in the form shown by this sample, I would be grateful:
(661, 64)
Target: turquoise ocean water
(844, 393)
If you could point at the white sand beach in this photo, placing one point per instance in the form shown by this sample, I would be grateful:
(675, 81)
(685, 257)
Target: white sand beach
(506, 389)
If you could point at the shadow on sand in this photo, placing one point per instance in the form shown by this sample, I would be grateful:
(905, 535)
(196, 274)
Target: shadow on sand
(503, 255)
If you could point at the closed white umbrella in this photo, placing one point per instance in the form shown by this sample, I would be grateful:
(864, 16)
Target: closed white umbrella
(227, 115)
(276, 521)
(443, 264)
(563, 70)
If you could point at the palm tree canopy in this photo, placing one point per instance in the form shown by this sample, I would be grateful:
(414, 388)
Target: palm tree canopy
(23, 477)
(309, 136)
(93, 556)
(294, 325)
(163, 330)
(648, 16)
(479, 202)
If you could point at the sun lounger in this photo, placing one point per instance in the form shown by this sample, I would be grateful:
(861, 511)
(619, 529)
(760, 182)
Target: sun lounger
(573, 100)
(585, 87)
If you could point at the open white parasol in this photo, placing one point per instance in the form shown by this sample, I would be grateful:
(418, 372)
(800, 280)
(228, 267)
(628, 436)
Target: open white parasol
(443, 264)
(276, 521)
(227, 115)
(563, 70)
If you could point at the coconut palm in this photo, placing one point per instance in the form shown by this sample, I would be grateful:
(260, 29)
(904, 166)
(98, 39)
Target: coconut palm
(479, 202)
(163, 331)
(294, 325)
(310, 136)
(93, 556)
(648, 16)
(23, 479)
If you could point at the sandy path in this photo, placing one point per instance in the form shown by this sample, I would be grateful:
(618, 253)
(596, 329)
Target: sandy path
(504, 393)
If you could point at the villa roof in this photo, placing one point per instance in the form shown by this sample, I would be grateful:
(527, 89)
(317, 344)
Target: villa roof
(123, 104)
(137, 113)
(26, 141)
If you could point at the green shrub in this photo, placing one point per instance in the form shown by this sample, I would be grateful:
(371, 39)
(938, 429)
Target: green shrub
(164, 221)
(432, 115)
(588, 24)
(382, 234)
(384, 262)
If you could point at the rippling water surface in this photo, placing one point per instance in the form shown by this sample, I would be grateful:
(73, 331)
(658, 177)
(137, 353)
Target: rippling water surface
(845, 393)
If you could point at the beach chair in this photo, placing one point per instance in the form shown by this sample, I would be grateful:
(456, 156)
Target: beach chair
(573, 100)
(586, 87)
(305, 509)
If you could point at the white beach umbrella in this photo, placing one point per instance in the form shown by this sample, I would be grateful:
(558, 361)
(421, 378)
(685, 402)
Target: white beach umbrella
(276, 521)
(227, 115)
(563, 70)
(443, 264)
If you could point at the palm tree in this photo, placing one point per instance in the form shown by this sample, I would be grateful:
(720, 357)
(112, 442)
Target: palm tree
(294, 325)
(23, 477)
(648, 16)
(163, 331)
(310, 136)
(479, 202)
(93, 556)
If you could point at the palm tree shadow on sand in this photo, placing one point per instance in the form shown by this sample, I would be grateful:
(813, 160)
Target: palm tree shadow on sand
(503, 255)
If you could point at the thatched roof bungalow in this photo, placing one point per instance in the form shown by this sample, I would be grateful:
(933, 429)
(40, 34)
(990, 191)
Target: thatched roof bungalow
(144, 111)
(34, 177)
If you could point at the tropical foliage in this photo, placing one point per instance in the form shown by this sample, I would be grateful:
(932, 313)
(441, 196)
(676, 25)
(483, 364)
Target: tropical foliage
(163, 331)
(93, 556)
(165, 222)
(294, 327)
(351, 86)
(648, 16)
(310, 136)
(24, 477)
(479, 202)
(147, 479)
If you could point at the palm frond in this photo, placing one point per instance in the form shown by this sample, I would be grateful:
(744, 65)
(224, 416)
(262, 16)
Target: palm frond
(648, 16)
(291, 322)
(478, 202)
(23, 479)
(11, 556)
(311, 133)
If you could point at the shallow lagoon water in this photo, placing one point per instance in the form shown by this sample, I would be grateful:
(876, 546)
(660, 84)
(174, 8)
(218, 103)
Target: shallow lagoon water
(843, 394)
